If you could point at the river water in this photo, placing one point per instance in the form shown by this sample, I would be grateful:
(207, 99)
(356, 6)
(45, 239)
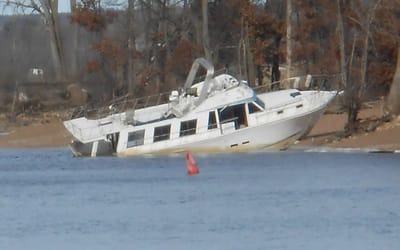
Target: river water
(281, 200)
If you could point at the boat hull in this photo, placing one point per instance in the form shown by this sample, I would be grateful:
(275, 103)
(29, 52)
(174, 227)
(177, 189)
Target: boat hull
(275, 135)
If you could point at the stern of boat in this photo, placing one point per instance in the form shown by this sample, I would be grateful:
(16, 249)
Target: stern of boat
(96, 148)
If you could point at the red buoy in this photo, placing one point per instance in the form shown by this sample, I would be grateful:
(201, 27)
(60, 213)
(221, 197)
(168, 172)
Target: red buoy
(191, 165)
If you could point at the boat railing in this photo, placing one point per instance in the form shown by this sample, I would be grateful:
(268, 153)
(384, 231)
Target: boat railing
(123, 104)
(127, 102)
(87, 133)
(120, 105)
(305, 82)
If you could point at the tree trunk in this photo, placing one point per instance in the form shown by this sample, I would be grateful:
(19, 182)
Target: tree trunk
(184, 35)
(131, 47)
(394, 93)
(364, 63)
(251, 74)
(147, 16)
(51, 15)
(241, 51)
(357, 91)
(342, 43)
(206, 38)
(161, 47)
(350, 95)
(352, 114)
(289, 12)
(275, 73)
(364, 57)
(75, 38)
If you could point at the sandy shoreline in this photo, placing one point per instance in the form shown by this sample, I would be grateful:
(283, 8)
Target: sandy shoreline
(326, 133)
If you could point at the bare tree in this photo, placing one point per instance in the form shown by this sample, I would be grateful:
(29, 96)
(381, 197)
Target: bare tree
(289, 13)
(131, 45)
(394, 94)
(75, 37)
(355, 92)
(48, 9)
(342, 42)
(364, 59)
(206, 38)
(350, 101)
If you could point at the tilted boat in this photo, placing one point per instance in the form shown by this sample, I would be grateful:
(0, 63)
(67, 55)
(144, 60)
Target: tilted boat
(218, 114)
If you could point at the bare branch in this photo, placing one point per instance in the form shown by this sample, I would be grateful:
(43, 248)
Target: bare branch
(23, 5)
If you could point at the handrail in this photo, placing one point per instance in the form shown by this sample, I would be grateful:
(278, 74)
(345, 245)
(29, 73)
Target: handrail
(123, 103)
(305, 82)
(120, 105)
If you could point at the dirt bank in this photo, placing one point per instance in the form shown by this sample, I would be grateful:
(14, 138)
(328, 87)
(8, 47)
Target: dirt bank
(47, 131)
(329, 130)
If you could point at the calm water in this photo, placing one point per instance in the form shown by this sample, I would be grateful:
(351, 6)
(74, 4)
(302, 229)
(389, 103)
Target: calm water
(285, 200)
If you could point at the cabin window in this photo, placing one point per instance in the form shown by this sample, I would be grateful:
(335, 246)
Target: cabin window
(188, 128)
(162, 133)
(236, 114)
(135, 138)
(253, 108)
(212, 120)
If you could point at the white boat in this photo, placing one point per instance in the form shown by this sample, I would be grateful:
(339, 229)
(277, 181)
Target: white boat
(219, 114)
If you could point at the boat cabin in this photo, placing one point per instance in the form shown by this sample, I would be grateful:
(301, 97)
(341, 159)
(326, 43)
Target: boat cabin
(196, 127)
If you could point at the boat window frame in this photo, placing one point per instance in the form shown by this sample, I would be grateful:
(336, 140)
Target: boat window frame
(138, 141)
(160, 135)
(188, 127)
(253, 108)
(212, 123)
(259, 103)
(236, 114)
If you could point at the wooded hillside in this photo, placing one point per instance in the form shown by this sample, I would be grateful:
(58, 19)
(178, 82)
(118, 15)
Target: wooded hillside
(140, 47)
